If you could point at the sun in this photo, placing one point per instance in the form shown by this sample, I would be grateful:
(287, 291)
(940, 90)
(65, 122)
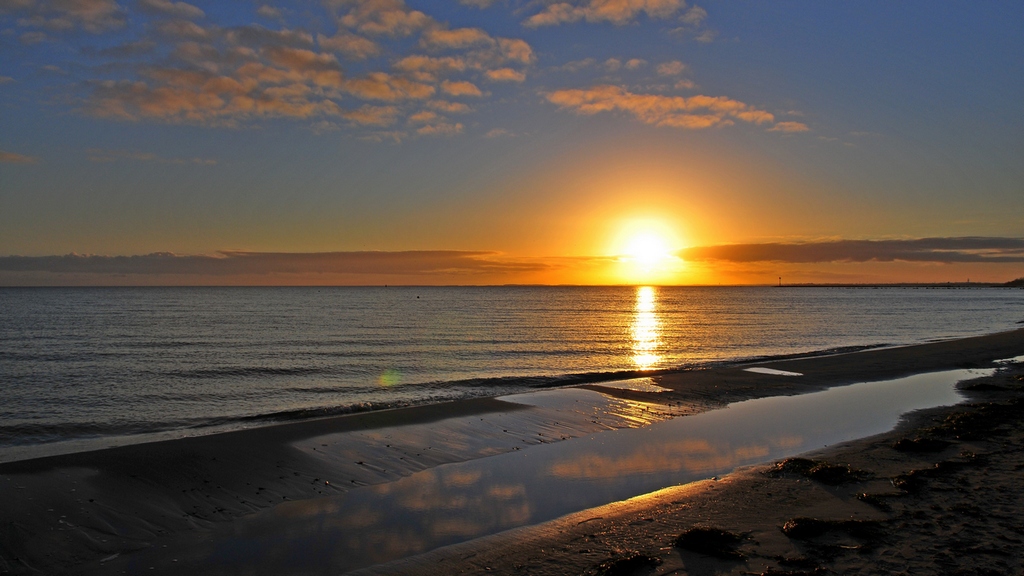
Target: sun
(645, 250)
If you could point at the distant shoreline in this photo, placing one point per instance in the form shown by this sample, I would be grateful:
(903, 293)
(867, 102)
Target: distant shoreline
(932, 285)
(1019, 283)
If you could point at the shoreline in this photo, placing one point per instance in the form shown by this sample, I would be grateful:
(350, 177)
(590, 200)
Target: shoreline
(23, 452)
(75, 510)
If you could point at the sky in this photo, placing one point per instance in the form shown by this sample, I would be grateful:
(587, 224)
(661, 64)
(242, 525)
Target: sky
(161, 142)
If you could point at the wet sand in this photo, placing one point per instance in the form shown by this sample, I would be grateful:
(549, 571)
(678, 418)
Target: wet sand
(87, 512)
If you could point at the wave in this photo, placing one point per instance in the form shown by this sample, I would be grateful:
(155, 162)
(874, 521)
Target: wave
(248, 372)
(24, 434)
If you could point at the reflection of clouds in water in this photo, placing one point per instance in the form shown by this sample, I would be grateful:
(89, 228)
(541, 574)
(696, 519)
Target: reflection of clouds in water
(506, 492)
(789, 441)
(691, 456)
(459, 479)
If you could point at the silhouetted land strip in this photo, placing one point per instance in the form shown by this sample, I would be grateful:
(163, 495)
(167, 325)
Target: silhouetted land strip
(1019, 283)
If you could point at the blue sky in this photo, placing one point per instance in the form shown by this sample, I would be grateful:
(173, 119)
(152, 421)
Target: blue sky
(528, 130)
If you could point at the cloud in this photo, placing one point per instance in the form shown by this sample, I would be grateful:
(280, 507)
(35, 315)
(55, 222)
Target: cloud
(505, 75)
(939, 250)
(319, 68)
(426, 68)
(706, 36)
(477, 3)
(185, 65)
(497, 133)
(372, 115)
(384, 86)
(789, 127)
(449, 107)
(695, 16)
(259, 36)
(94, 16)
(440, 129)
(14, 158)
(516, 50)
(694, 112)
(672, 68)
(6, 80)
(241, 263)
(101, 155)
(440, 38)
(173, 95)
(460, 88)
(635, 63)
(126, 50)
(617, 12)
(183, 29)
(577, 65)
(423, 117)
(30, 38)
(381, 17)
(267, 11)
(170, 8)
(350, 45)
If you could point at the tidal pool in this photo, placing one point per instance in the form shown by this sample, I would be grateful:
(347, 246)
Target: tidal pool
(458, 502)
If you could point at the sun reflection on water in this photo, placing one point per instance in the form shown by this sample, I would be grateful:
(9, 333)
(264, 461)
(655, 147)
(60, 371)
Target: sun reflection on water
(646, 338)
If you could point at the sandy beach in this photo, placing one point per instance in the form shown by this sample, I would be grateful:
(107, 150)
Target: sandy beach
(936, 494)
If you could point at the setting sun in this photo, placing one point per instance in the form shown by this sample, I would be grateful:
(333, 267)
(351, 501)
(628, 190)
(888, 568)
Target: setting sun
(646, 249)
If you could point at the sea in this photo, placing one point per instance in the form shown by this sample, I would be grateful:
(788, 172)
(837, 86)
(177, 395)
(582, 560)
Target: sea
(84, 368)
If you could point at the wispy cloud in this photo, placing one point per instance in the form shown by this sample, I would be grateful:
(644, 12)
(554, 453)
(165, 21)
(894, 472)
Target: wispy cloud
(15, 158)
(460, 88)
(100, 155)
(618, 12)
(170, 8)
(505, 75)
(373, 115)
(671, 68)
(938, 250)
(200, 72)
(789, 127)
(694, 112)
(449, 264)
(60, 16)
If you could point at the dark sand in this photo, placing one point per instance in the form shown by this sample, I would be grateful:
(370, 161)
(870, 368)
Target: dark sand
(87, 512)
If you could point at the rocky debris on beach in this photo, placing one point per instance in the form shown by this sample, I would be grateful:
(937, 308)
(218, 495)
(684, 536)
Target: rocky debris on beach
(711, 542)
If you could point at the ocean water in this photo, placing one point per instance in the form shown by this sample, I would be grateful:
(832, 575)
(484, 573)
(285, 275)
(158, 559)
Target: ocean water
(84, 366)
